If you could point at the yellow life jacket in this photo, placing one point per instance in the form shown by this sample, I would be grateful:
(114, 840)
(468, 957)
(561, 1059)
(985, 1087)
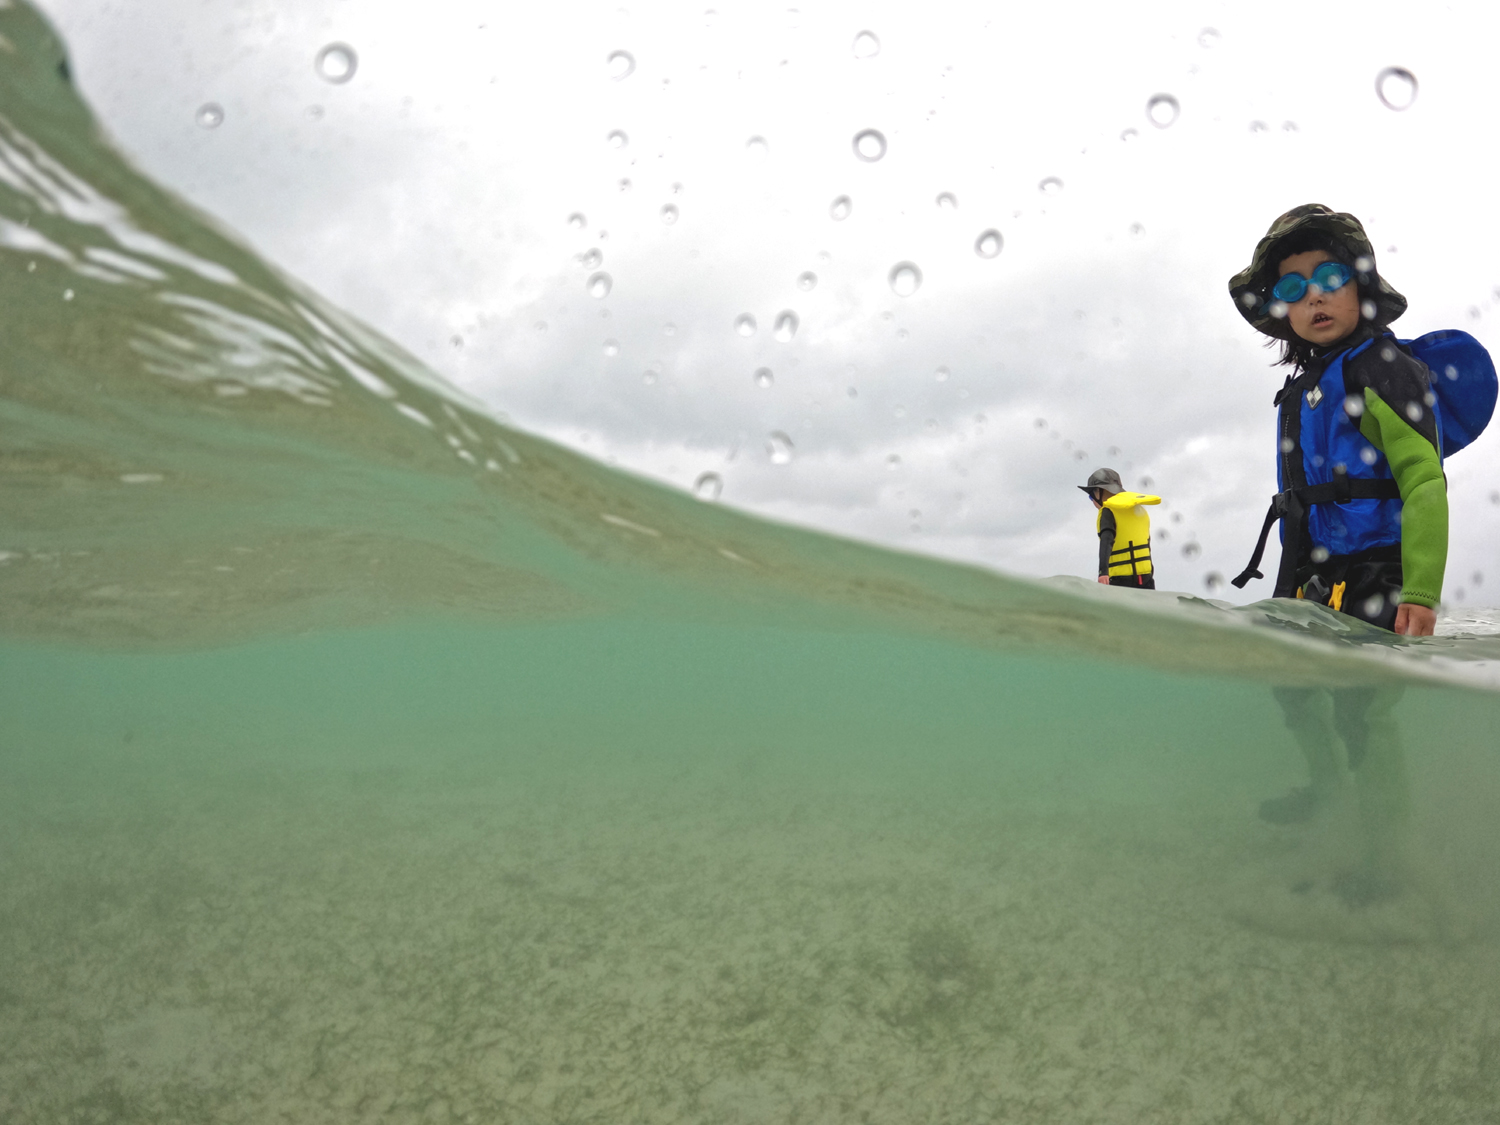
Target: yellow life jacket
(1131, 553)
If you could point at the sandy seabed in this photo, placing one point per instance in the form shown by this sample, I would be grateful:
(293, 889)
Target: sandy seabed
(382, 946)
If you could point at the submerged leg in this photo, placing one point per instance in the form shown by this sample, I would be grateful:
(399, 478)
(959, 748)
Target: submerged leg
(1309, 718)
(1365, 718)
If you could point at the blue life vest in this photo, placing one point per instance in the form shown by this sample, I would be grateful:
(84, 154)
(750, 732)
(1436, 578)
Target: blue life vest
(1329, 439)
(1462, 398)
(1463, 382)
(1349, 500)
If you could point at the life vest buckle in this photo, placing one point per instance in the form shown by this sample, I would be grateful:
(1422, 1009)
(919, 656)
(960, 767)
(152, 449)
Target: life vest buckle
(1316, 589)
(1342, 493)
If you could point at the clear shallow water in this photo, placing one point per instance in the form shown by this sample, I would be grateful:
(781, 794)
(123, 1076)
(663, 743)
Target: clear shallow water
(362, 759)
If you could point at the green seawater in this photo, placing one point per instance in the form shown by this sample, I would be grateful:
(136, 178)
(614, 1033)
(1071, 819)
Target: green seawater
(365, 760)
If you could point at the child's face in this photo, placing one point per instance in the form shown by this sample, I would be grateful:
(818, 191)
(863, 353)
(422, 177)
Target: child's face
(1320, 318)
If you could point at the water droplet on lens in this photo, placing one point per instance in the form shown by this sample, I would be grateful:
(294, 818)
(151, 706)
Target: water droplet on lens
(625, 185)
(1368, 309)
(757, 147)
(1374, 604)
(989, 244)
(336, 63)
(869, 145)
(649, 377)
(591, 258)
(839, 209)
(764, 377)
(708, 486)
(905, 279)
(577, 221)
(1368, 455)
(1191, 550)
(617, 139)
(1278, 309)
(807, 281)
(941, 374)
(1129, 134)
(611, 347)
(1040, 423)
(866, 45)
(779, 448)
(745, 324)
(1213, 581)
(1354, 405)
(210, 115)
(1495, 497)
(1050, 186)
(947, 201)
(1287, 445)
(1396, 87)
(1450, 372)
(1137, 229)
(669, 213)
(893, 462)
(1289, 127)
(1162, 110)
(621, 64)
(1147, 482)
(1208, 38)
(1258, 126)
(786, 325)
(1320, 554)
(600, 284)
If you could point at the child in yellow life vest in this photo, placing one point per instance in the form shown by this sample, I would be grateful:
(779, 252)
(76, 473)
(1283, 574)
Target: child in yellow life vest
(1124, 530)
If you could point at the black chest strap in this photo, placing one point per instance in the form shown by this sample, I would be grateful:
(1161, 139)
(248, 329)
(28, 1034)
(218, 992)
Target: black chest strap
(1294, 503)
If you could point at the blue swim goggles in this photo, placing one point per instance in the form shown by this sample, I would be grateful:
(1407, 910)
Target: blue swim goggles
(1327, 277)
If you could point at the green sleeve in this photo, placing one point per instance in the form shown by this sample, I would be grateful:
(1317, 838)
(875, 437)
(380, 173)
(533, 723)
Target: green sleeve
(1424, 498)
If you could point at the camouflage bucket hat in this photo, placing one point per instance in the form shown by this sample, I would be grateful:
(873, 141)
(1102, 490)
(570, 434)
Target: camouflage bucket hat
(1251, 287)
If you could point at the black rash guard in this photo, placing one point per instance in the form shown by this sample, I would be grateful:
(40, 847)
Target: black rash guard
(1106, 540)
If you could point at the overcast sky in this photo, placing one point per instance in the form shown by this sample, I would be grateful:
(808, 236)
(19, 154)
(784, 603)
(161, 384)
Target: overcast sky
(430, 193)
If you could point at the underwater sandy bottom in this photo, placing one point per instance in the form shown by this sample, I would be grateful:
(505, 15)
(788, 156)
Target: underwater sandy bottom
(384, 946)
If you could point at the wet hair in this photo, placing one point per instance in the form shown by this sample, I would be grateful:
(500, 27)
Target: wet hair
(1297, 353)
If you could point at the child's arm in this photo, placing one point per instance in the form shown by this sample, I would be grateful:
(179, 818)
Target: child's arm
(1106, 542)
(1398, 422)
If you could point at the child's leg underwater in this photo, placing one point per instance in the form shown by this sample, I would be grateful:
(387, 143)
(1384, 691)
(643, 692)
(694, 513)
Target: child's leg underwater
(1310, 719)
(1365, 719)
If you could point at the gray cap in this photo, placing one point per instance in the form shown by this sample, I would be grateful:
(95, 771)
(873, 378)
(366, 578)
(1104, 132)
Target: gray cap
(1107, 479)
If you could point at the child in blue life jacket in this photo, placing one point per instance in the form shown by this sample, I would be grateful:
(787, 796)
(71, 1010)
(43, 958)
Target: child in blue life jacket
(1124, 530)
(1363, 502)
